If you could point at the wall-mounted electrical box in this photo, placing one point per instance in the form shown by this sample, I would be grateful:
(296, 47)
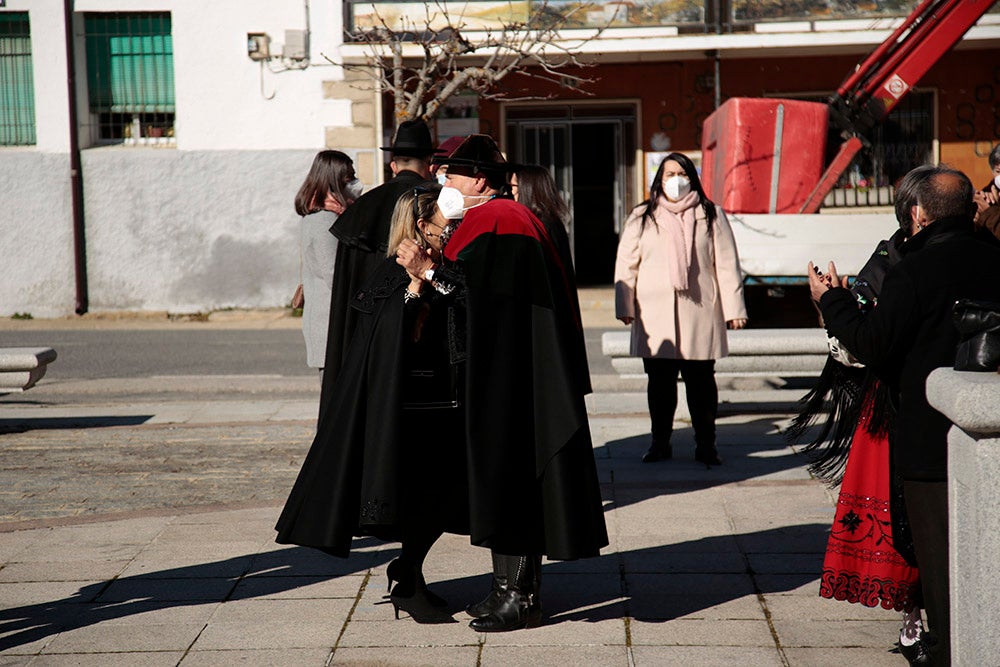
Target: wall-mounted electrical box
(296, 45)
(258, 45)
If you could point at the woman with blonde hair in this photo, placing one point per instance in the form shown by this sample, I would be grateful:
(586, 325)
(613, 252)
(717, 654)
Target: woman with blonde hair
(371, 470)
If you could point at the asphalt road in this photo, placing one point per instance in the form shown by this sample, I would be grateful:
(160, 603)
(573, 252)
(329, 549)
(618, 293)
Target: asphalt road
(145, 353)
(118, 353)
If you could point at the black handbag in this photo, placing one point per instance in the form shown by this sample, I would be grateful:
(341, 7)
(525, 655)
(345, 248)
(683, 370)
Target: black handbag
(978, 324)
(430, 380)
(432, 387)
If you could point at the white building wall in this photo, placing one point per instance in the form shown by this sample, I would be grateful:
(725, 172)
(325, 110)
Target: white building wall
(205, 224)
(192, 231)
(36, 224)
(48, 48)
(226, 101)
(36, 234)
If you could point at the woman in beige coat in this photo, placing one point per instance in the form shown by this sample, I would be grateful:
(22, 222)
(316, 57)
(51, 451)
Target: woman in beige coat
(678, 284)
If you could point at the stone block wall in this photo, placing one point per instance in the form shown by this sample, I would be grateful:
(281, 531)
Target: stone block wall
(362, 138)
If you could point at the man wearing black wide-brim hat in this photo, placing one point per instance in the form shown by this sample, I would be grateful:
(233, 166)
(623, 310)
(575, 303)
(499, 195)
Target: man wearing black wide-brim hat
(533, 485)
(363, 231)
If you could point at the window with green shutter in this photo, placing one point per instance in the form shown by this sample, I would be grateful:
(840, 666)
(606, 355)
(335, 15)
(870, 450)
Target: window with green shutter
(130, 77)
(17, 88)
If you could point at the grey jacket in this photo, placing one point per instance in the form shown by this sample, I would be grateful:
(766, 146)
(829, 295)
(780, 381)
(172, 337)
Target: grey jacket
(319, 253)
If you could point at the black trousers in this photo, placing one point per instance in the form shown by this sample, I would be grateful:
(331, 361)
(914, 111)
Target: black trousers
(700, 388)
(927, 509)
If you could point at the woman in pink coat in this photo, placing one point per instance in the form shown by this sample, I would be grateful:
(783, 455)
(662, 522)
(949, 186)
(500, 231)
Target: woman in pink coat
(678, 283)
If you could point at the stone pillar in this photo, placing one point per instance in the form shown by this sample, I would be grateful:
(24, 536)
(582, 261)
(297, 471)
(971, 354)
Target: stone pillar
(362, 138)
(972, 402)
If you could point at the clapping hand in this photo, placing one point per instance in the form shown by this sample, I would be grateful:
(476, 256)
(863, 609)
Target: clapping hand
(820, 284)
(984, 199)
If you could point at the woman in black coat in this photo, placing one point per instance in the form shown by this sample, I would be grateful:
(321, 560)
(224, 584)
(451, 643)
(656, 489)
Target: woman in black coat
(388, 459)
(533, 186)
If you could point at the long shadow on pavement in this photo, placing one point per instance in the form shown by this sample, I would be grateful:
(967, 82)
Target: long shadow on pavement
(656, 583)
(58, 423)
(670, 581)
(240, 577)
(750, 451)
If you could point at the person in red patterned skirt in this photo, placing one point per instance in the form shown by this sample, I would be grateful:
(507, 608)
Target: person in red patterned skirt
(869, 556)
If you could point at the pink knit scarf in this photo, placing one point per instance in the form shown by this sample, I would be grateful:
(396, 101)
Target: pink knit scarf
(677, 219)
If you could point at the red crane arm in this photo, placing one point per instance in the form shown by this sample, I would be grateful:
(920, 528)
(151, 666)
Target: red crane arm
(868, 95)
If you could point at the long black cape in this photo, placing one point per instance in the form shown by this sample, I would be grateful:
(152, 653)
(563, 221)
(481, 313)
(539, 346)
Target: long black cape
(371, 466)
(533, 484)
(363, 232)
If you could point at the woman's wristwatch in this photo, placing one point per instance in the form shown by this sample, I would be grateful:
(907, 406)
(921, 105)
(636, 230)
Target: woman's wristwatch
(441, 287)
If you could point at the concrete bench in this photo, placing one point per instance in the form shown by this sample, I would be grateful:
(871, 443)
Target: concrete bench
(752, 352)
(22, 367)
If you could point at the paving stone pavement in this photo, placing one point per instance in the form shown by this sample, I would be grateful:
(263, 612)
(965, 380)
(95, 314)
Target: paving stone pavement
(138, 544)
(73, 472)
(140, 532)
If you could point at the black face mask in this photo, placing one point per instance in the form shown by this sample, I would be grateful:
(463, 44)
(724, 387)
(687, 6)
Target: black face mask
(448, 230)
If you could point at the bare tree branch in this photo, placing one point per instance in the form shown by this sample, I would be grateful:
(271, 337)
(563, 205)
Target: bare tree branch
(424, 65)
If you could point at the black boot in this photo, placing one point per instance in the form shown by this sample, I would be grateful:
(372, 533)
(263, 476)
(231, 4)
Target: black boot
(488, 605)
(658, 452)
(707, 454)
(705, 450)
(519, 606)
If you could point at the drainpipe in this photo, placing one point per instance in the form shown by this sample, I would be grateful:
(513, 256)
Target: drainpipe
(718, 57)
(75, 170)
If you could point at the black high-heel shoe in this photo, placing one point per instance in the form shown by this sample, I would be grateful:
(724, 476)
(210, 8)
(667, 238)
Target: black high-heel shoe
(410, 583)
(420, 608)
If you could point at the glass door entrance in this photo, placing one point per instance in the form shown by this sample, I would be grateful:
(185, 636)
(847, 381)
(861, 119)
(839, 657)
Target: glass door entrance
(590, 151)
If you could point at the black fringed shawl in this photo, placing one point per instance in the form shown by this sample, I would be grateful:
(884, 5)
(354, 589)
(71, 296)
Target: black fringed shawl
(841, 390)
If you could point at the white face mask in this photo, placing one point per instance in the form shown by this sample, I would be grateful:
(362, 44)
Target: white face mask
(451, 201)
(354, 189)
(996, 180)
(677, 187)
(441, 178)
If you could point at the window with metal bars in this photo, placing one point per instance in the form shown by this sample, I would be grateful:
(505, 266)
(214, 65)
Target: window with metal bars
(904, 140)
(17, 92)
(130, 77)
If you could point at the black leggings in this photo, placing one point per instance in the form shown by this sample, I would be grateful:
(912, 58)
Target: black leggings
(927, 510)
(700, 388)
(416, 542)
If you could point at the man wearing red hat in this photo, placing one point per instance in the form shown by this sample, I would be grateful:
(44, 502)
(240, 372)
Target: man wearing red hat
(533, 485)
